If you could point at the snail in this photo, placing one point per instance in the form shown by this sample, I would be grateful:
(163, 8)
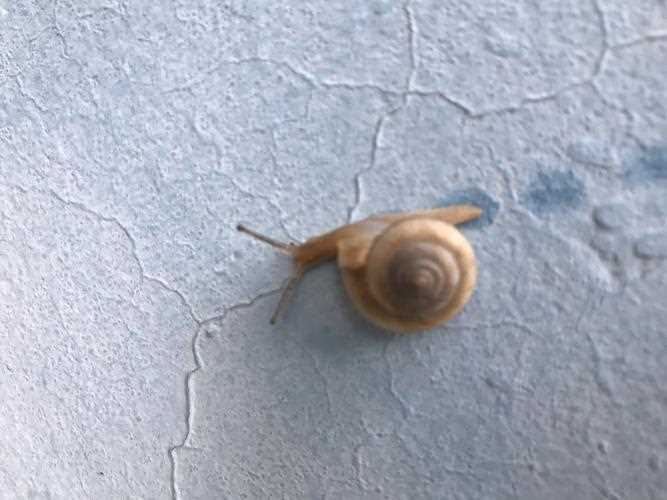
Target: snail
(405, 272)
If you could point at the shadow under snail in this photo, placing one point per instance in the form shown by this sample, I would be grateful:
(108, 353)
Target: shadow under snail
(405, 272)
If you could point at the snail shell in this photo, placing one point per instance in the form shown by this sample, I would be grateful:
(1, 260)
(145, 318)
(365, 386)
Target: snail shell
(405, 272)
(418, 273)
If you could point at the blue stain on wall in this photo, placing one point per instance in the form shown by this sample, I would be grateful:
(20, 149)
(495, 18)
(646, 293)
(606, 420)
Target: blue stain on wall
(553, 191)
(477, 197)
(652, 166)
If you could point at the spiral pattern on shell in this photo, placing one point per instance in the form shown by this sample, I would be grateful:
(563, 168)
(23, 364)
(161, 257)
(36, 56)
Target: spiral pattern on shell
(419, 278)
(419, 273)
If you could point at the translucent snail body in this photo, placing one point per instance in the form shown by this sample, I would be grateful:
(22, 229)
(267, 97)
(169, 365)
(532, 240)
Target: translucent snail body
(405, 272)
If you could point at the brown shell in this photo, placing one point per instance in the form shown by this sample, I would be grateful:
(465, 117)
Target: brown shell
(418, 273)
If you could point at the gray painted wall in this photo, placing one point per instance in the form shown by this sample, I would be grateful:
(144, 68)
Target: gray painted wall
(136, 356)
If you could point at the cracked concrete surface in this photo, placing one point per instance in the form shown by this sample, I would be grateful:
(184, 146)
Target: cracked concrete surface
(137, 357)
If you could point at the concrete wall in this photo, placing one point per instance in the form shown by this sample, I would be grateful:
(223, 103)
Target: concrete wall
(136, 358)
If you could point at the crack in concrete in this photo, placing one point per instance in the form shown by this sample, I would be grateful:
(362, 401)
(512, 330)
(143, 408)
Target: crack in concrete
(604, 33)
(527, 100)
(105, 218)
(215, 67)
(357, 177)
(309, 79)
(357, 465)
(412, 44)
(354, 86)
(273, 149)
(143, 278)
(26, 95)
(649, 38)
(318, 370)
(60, 36)
(248, 304)
(412, 90)
(379, 125)
(219, 162)
(631, 118)
(375, 145)
(175, 494)
(189, 382)
(189, 414)
(596, 358)
(628, 114)
(442, 96)
(178, 293)
(406, 411)
(412, 29)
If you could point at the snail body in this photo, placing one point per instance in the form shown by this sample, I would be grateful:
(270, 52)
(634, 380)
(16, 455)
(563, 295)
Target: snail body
(405, 272)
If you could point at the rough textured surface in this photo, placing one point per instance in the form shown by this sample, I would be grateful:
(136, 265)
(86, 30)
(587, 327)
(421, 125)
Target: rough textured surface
(137, 360)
